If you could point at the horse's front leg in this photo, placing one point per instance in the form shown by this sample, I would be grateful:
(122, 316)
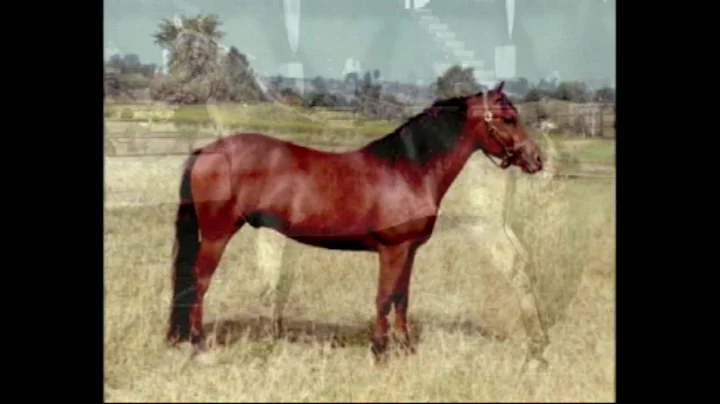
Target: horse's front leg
(401, 296)
(393, 262)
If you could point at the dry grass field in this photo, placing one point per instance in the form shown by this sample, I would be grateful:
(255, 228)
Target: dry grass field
(463, 312)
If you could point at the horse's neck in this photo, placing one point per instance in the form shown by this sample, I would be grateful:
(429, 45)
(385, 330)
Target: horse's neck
(443, 171)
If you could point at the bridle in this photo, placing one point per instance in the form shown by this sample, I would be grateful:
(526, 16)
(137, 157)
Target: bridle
(509, 153)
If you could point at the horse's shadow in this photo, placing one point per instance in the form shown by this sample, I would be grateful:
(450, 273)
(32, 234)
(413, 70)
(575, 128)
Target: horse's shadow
(228, 332)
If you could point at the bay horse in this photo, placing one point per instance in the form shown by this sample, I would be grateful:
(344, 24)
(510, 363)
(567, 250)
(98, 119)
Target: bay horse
(383, 197)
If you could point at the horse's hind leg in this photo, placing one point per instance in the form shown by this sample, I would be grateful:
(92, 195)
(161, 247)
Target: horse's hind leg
(212, 246)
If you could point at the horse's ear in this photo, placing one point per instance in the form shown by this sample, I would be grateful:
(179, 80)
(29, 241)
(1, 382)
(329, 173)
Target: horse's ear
(499, 87)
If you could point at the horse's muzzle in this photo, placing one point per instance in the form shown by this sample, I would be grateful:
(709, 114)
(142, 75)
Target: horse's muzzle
(531, 161)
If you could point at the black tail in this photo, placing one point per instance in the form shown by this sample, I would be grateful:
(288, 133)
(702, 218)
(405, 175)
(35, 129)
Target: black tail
(185, 251)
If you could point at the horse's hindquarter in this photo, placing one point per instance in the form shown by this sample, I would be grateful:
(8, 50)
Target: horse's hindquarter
(211, 178)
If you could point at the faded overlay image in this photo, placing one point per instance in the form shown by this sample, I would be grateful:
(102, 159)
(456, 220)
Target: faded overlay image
(279, 175)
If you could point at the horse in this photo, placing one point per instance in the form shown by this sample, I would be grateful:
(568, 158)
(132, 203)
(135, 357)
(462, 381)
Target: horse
(383, 197)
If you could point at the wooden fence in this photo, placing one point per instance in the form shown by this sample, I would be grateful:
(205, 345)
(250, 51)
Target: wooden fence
(178, 144)
(155, 144)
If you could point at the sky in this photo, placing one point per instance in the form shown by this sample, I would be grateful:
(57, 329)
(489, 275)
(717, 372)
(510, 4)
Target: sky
(572, 38)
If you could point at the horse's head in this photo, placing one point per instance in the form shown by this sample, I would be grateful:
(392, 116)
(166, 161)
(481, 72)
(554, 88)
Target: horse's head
(496, 126)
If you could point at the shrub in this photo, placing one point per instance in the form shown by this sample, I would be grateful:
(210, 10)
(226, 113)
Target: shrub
(291, 97)
(325, 100)
(390, 109)
(239, 79)
(456, 82)
(319, 84)
(572, 91)
(606, 94)
(535, 94)
(518, 87)
(368, 96)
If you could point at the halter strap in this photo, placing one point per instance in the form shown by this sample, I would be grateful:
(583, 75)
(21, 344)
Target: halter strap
(509, 153)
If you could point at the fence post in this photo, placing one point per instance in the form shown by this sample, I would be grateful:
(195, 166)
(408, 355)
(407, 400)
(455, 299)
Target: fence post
(190, 143)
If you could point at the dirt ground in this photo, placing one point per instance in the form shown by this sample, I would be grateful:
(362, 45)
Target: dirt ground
(463, 312)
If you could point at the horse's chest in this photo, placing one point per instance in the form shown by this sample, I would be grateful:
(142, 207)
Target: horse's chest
(406, 207)
(408, 200)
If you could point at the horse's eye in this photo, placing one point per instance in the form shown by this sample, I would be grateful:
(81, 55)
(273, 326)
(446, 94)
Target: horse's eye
(509, 121)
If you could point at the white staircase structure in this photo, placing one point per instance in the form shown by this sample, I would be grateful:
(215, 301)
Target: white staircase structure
(454, 47)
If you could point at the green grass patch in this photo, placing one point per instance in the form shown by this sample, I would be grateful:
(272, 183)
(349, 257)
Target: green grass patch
(601, 151)
(261, 117)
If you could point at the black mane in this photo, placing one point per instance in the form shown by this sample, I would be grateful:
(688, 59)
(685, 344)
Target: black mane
(427, 134)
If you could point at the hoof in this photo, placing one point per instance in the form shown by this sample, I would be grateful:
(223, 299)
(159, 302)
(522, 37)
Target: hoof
(378, 358)
(376, 351)
(379, 351)
(180, 350)
(404, 346)
(407, 350)
(199, 353)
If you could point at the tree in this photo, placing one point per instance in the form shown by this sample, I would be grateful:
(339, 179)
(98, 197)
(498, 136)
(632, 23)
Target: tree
(276, 84)
(194, 73)
(241, 85)
(548, 86)
(169, 31)
(325, 99)
(605, 94)
(197, 70)
(116, 63)
(130, 64)
(536, 94)
(131, 59)
(291, 97)
(126, 73)
(368, 96)
(571, 91)
(456, 82)
(519, 86)
(319, 84)
(367, 79)
(352, 79)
